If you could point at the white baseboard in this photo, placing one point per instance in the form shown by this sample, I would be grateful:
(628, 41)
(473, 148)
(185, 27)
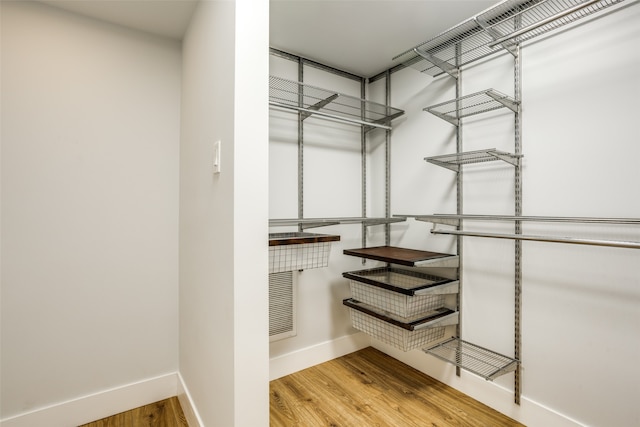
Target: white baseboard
(188, 407)
(529, 412)
(99, 405)
(310, 356)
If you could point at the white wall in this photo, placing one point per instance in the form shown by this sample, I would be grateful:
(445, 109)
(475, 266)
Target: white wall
(90, 130)
(580, 315)
(223, 218)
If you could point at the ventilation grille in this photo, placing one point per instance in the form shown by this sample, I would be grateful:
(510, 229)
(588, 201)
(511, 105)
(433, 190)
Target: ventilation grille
(281, 306)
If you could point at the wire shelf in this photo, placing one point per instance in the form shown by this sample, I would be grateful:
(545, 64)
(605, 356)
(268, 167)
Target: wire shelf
(311, 100)
(500, 27)
(517, 20)
(454, 161)
(473, 358)
(438, 55)
(469, 105)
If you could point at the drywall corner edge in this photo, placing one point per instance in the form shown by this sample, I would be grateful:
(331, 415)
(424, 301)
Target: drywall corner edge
(188, 406)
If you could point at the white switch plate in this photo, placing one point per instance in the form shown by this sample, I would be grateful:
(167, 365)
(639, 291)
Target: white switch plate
(216, 156)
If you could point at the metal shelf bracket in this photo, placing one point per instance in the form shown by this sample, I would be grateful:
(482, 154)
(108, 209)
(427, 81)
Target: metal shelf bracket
(443, 65)
(317, 106)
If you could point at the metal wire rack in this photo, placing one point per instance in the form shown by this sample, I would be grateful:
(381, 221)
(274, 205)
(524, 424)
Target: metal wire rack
(502, 26)
(299, 251)
(403, 336)
(533, 18)
(438, 55)
(473, 358)
(474, 103)
(454, 161)
(310, 100)
(406, 295)
(298, 257)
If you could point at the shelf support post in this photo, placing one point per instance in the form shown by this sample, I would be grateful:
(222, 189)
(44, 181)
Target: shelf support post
(363, 161)
(459, 198)
(517, 387)
(300, 143)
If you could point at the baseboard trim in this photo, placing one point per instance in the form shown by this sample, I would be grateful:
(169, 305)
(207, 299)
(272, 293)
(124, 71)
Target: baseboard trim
(188, 407)
(98, 405)
(310, 356)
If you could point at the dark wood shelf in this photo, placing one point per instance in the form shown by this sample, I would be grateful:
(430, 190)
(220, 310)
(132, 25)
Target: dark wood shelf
(298, 238)
(406, 257)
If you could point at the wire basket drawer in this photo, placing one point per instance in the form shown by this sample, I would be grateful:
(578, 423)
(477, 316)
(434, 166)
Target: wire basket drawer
(400, 293)
(299, 251)
(403, 336)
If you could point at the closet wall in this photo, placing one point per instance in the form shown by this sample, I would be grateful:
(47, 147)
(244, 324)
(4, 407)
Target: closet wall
(90, 139)
(579, 313)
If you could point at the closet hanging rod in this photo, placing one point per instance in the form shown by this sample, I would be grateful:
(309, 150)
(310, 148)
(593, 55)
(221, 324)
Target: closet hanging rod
(551, 239)
(543, 22)
(328, 115)
(332, 221)
(589, 220)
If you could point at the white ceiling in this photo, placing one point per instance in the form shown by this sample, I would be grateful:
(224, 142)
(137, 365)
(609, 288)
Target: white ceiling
(359, 36)
(362, 36)
(166, 18)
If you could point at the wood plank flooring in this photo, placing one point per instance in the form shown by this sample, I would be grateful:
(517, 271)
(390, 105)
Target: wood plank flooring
(369, 388)
(165, 413)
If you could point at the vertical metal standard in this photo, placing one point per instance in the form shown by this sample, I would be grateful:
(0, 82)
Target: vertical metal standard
(517, 70)
(363, 160)
(387, 162)
(300, 143)
(459, 209)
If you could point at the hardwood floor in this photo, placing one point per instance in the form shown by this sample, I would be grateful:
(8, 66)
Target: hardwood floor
(369, 388)
(165, 413)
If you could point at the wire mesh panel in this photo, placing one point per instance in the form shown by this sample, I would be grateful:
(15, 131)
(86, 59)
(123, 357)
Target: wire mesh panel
(519, 20)
(395, 336)
(298, 257)
(406, 307)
